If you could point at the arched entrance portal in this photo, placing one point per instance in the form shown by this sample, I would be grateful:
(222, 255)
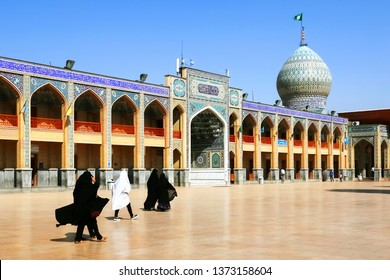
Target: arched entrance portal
(364, 159)
(208, 148)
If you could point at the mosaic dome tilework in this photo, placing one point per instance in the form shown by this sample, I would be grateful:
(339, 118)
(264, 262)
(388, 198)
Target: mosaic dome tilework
(304, 80)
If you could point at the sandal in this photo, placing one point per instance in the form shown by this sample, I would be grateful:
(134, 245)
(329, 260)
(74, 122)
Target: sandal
(103, 239)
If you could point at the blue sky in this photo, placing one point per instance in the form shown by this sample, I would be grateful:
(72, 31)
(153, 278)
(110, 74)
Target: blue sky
(252, 39)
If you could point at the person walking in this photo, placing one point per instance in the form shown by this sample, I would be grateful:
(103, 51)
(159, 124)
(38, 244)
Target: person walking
(331, 175)
(84, 210)
(152, 184)
(120, 196)
(163, 194)
(282, 175)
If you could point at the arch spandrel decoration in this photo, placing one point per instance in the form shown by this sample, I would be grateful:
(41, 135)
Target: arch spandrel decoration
(326, 124)
(116, 94)
(272, 117)
(368, 139)
(14, 79)
(316, 124)
(100, 92)
(385, 141)
(177, 144)
(286, 118)
(36, 83)
(196, 107)
(303, 121)
(245, 113)
(149, 99)
(232, 147)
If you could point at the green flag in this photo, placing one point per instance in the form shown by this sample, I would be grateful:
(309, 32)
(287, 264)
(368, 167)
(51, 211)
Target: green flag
(298, 17)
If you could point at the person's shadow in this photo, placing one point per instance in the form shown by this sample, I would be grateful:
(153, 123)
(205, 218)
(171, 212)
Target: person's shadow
(69, 237)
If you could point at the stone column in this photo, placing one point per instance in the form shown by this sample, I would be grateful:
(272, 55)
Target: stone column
(68, 177)
(9, 178)
(53, 177)
(106, 175)
(23, 177)
(239, 175)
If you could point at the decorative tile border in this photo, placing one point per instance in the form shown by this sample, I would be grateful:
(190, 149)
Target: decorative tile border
(290, 112)
(69, 75)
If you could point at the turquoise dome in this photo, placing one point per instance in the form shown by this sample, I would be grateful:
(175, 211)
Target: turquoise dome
(304, 82)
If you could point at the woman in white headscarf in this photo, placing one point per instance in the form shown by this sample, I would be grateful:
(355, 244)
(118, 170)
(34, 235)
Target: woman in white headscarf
(120, 195)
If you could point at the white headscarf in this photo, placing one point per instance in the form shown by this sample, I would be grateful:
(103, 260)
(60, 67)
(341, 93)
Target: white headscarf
(120, 191)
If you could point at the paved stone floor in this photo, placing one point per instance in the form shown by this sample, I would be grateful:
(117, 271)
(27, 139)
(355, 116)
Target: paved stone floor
(291, 221)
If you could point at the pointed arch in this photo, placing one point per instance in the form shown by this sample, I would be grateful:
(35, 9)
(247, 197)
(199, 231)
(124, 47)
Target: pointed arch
(208, 131)
(47, 107)
(87, 112)
(123, 114)
(10, 103)
(364, 157)
(233, 124)
(177, 121)
(266, 126)
(155, 119)
(283, 128)
(248, 129)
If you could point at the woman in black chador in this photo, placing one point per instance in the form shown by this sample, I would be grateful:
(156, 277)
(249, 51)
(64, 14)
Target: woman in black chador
(152, 185)
(86, 207)
(165, 193)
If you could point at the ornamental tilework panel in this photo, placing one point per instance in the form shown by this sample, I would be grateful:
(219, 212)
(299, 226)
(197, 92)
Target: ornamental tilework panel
(38, 82)
(79, 89)
(116, 94)
(195, 107)
(179, 88)
(16, 80)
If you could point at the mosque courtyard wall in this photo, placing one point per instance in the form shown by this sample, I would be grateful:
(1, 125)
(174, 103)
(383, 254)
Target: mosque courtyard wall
(197, 129)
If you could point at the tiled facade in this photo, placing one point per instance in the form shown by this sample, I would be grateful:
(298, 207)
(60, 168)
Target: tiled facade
(55, 123)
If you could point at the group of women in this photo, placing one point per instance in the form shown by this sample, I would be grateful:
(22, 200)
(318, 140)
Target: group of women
(160, 191)
(87, 204)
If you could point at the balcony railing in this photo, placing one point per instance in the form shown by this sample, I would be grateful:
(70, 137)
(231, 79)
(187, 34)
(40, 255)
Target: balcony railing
(87, 126)
(122, 129)
(324, 145)
(177, 134)
(248, 139)
(265, 140)
(298, 143)
(336, 145)
(46, 123)
(311, 144)
(232, 138)
(8, 120)
(154, 131)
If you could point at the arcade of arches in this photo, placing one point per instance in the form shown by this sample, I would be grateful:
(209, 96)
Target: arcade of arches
(52, 128)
